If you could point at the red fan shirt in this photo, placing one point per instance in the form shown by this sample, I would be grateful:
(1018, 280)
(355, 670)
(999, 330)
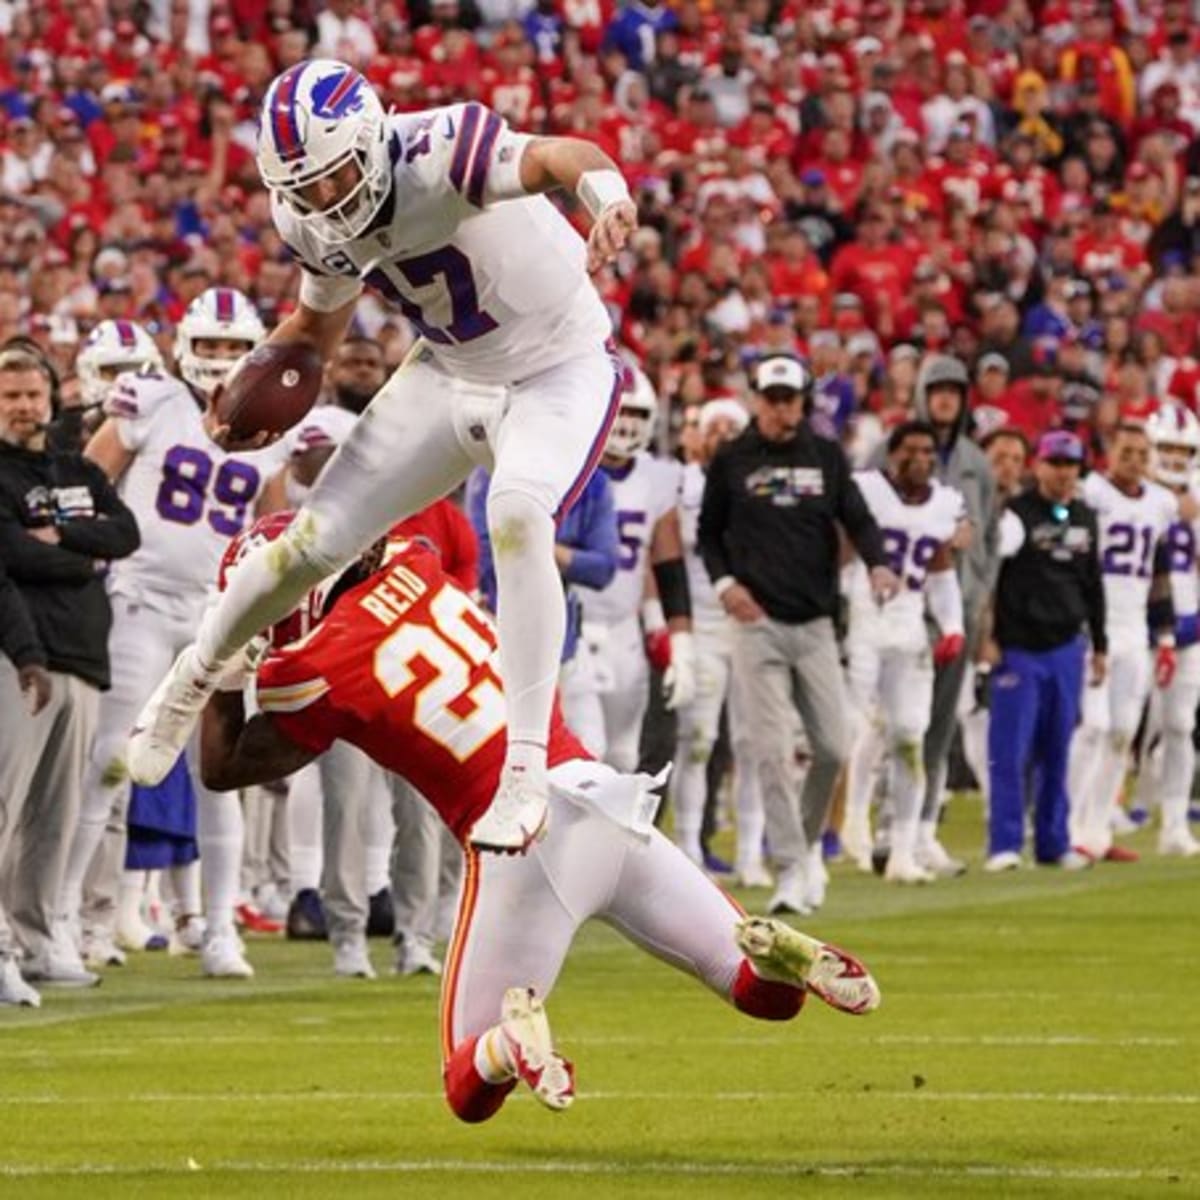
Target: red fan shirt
(405, 668)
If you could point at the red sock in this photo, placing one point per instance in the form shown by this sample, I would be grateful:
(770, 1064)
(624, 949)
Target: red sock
(471, 1097)
(764, 999)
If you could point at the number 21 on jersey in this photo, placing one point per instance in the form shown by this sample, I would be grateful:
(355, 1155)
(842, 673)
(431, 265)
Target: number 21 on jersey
(447, 708)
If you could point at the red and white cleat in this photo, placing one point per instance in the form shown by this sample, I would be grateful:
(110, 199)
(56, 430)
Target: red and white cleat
(526, 1031)
(249, 918)
(785, 955)
(517, 816)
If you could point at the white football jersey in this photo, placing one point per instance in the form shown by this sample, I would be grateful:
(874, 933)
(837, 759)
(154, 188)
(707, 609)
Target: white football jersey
(495, 280)
(1183, 540)
(644, 491)
(189, 496)
(706, 608)
(912, 536)
(1130, 530)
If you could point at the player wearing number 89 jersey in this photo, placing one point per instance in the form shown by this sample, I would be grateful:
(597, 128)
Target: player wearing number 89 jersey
(890, 668)
(1133, 516)
(190, 497)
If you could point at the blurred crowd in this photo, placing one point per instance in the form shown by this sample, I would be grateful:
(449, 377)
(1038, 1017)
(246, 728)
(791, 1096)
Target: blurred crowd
(860, 183)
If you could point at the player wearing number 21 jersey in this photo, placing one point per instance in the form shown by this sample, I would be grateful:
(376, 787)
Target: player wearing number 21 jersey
(443, 213)
(1133, 516)
(190, 497)
(402, 664)
(890, 667)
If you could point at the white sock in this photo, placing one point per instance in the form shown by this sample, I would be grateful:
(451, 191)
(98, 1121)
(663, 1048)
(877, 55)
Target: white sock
(748, 811)
(906, 787)
(185, 890)
(531, 620)
(493, 1060)
(305, 847)
(220, 837)
(689, 782)
(130, 896)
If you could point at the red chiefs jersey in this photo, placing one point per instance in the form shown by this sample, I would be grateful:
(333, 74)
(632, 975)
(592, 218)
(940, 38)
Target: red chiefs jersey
(405, 668)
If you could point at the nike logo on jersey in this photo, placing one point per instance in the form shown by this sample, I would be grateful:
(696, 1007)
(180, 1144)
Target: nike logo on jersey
(450, 127)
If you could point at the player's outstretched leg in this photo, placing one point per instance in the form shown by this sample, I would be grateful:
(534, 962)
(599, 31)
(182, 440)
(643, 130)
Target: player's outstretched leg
(780, 954)
(483, 1070)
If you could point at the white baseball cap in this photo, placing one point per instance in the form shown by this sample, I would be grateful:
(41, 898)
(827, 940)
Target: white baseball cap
(780, 372)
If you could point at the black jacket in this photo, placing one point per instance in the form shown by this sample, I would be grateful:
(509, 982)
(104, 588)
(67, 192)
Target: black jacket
(62, 585)
(1052, 587)
(18, 637)
(769, 519)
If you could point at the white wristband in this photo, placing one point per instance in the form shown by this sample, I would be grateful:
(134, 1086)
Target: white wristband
(600, 189)
(723, 585)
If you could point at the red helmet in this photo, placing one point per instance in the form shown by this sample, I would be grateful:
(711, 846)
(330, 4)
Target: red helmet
(267, 529)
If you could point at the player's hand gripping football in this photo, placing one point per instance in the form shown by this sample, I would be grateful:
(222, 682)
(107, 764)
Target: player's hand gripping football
(222, 434)
(612, 229)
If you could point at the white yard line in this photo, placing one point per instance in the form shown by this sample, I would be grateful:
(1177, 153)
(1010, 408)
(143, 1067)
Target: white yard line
(574, 1167)
(857, 1094)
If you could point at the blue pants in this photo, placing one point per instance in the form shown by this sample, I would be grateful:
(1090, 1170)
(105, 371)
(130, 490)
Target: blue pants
(1035, 705)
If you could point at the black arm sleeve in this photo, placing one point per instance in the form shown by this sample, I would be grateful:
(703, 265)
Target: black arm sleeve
(855, 516)
(1094, 584)
(112, 533)
(18, 636)
(714, 520)
(1161, 608)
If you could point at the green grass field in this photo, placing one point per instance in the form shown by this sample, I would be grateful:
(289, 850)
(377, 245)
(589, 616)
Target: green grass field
(1040, 1035)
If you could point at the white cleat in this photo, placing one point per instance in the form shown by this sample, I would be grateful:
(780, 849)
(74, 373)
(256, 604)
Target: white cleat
(188, 935)
(1178, 844)
(934, 857)
(785, 955)
(13, 989)
(526, 1031)
(350, 958)
(1006, 860)
(517, 816)
(100, 950)
(755, 875)
(415, 957)
(789, 893)
(165, 724)
(223, 956)
(903, 868)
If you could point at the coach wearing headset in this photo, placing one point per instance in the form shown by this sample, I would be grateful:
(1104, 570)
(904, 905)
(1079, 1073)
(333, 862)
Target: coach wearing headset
(773, 501)
(61, 523)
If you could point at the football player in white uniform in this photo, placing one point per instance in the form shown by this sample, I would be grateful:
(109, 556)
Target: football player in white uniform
(190, 497)
(890, 669)
(645, 494)
(712, 627)
(1133, 515)
(1175, 434)
(442, 212)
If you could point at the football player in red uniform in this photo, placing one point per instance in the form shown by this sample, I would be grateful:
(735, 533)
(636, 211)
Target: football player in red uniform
(399, 661)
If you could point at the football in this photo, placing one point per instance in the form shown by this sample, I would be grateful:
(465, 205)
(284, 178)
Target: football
(273, 387)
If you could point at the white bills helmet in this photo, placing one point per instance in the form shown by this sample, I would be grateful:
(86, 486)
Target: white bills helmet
(318, 116)
(1175, 434)
(111, 348)
(634, 425)
(216, 313)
